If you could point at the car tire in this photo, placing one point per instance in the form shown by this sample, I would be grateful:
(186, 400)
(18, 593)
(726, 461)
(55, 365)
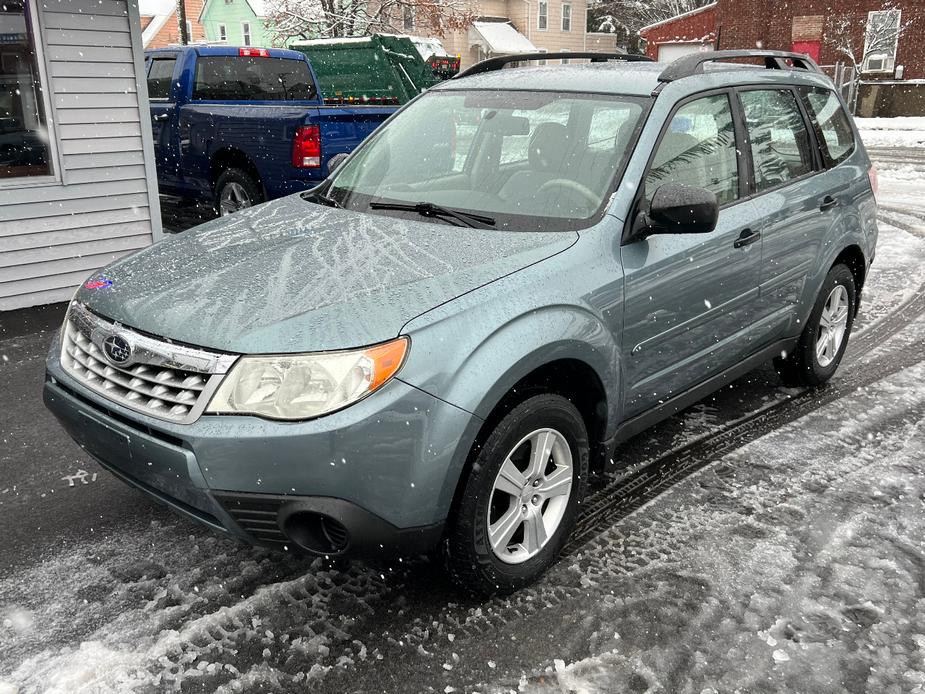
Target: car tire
(824, 339)
(235, 189)
(512, 559)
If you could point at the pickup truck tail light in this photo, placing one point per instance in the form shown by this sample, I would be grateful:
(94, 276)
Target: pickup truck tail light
(253, 53)
(306, 148)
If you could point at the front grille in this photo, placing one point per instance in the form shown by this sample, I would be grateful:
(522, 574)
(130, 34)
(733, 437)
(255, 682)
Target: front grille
(158, 378)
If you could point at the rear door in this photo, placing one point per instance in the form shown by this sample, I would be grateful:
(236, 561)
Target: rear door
(793, 205)
(161, 94)
(690, 298)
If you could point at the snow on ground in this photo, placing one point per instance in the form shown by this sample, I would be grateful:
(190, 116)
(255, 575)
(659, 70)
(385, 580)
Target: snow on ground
(892, 132)
(796, 563)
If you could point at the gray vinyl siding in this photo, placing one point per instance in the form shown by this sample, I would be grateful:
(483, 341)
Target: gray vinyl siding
(102, 203)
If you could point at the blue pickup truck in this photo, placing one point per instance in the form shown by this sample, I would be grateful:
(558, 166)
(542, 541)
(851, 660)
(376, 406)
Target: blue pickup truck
(237, 126)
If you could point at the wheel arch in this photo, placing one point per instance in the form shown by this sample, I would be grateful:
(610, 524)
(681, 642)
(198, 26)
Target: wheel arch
(853, 257)
(232, 157)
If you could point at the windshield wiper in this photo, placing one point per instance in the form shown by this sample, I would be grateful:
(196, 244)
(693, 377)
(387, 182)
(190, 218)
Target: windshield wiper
(321, 199)
(429, 209)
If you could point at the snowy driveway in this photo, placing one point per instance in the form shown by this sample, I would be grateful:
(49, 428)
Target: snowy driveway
(764, 540)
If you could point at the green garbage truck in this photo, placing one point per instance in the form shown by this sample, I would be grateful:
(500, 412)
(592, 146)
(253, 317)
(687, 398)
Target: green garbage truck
(377, 69)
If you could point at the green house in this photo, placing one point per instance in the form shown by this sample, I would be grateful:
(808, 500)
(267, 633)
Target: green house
(235, 22)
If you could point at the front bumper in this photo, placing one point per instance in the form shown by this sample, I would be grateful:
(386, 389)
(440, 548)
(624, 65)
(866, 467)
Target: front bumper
(382, 471)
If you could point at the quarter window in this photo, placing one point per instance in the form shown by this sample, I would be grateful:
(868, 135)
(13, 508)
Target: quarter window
(542, 14)
(778, 138)
(836, 139)
(160, 77)
(23, 131)
(698, 149)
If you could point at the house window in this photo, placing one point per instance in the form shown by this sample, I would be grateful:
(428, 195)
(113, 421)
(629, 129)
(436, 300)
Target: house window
(408, 18)
(881, 40)
(565, 61)
(222, 32)
(541, 62)
(22, 109)
(566, 16)
(246, 33)
(189, 30)
(542, 15)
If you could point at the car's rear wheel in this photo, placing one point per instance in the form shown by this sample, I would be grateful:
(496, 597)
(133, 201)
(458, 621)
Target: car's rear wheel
(824, 339)
(521, 498)
(235, 190)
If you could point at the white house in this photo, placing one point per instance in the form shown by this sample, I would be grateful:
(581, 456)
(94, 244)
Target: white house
(78, 187)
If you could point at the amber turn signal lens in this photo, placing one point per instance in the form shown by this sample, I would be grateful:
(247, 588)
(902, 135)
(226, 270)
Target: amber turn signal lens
(386, 359)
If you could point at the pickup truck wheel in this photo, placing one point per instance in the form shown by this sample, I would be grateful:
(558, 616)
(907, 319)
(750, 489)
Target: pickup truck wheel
(825, 335)
(521, 499)
(235, 189)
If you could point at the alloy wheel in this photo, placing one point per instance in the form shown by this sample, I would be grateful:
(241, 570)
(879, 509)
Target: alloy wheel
(833, 323)
(530, 496)
(234, 197)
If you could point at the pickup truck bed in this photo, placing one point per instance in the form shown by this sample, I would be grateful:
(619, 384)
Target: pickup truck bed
(237, 126)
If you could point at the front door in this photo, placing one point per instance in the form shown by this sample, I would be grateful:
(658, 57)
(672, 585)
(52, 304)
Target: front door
(690, 298)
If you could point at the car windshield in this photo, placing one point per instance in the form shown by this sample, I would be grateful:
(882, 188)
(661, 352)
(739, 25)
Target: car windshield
(525, 161)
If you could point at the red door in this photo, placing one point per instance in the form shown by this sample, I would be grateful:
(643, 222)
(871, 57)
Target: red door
(811, 48)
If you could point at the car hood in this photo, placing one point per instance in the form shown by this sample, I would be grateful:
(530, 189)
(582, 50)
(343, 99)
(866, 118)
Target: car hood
(291, 276)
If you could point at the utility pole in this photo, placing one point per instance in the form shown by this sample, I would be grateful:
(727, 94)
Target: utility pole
(181, 20)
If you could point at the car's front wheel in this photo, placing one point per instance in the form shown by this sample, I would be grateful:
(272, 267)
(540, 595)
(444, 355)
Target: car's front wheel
(825, 335)
(521, 498)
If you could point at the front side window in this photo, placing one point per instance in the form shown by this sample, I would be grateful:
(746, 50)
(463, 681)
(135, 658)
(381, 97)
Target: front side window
(23, 130)
(881, 39)
(532, 161)
(566, 17)
(542, 14)
(698, 149)
(836, 139)
(233, 78)
(779, 140)
(160, 77)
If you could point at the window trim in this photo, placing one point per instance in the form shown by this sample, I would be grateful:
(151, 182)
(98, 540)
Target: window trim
(889, 56)
(747, 149)
(56, 168)
(562, 13)
(544, 15)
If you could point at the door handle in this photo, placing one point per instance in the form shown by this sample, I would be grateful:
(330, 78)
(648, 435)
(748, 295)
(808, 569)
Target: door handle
(159, 117)
(746, 237)
(828, 202)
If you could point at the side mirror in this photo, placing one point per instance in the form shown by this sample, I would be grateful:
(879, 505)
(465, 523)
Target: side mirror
(678, 209)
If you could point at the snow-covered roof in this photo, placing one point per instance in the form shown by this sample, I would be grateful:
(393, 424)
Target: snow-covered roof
(679, 16)
(499, 38)
(323, 42)
(159, 11)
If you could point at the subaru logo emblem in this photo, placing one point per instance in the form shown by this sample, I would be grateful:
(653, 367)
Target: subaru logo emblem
(117, 349)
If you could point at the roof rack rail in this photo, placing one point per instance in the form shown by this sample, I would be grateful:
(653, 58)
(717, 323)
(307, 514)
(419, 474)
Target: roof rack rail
(498, 62)
(692, 64)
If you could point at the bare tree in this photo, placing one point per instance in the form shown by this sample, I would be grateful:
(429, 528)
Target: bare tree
(859, 37)
(627, 17)
(288, 19)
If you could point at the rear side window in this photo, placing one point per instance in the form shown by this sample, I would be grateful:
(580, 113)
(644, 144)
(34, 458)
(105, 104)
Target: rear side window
(698, 149)
(836, 139)
(779, 140)
(160, 76)
(233, 78)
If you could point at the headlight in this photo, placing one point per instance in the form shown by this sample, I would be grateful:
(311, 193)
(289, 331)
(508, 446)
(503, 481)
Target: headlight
(301, 386)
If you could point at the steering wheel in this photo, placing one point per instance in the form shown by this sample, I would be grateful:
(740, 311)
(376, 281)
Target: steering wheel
(589, 195)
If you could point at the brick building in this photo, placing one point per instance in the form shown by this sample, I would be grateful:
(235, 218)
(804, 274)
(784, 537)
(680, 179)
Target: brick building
(893, 74)
(160, 26)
